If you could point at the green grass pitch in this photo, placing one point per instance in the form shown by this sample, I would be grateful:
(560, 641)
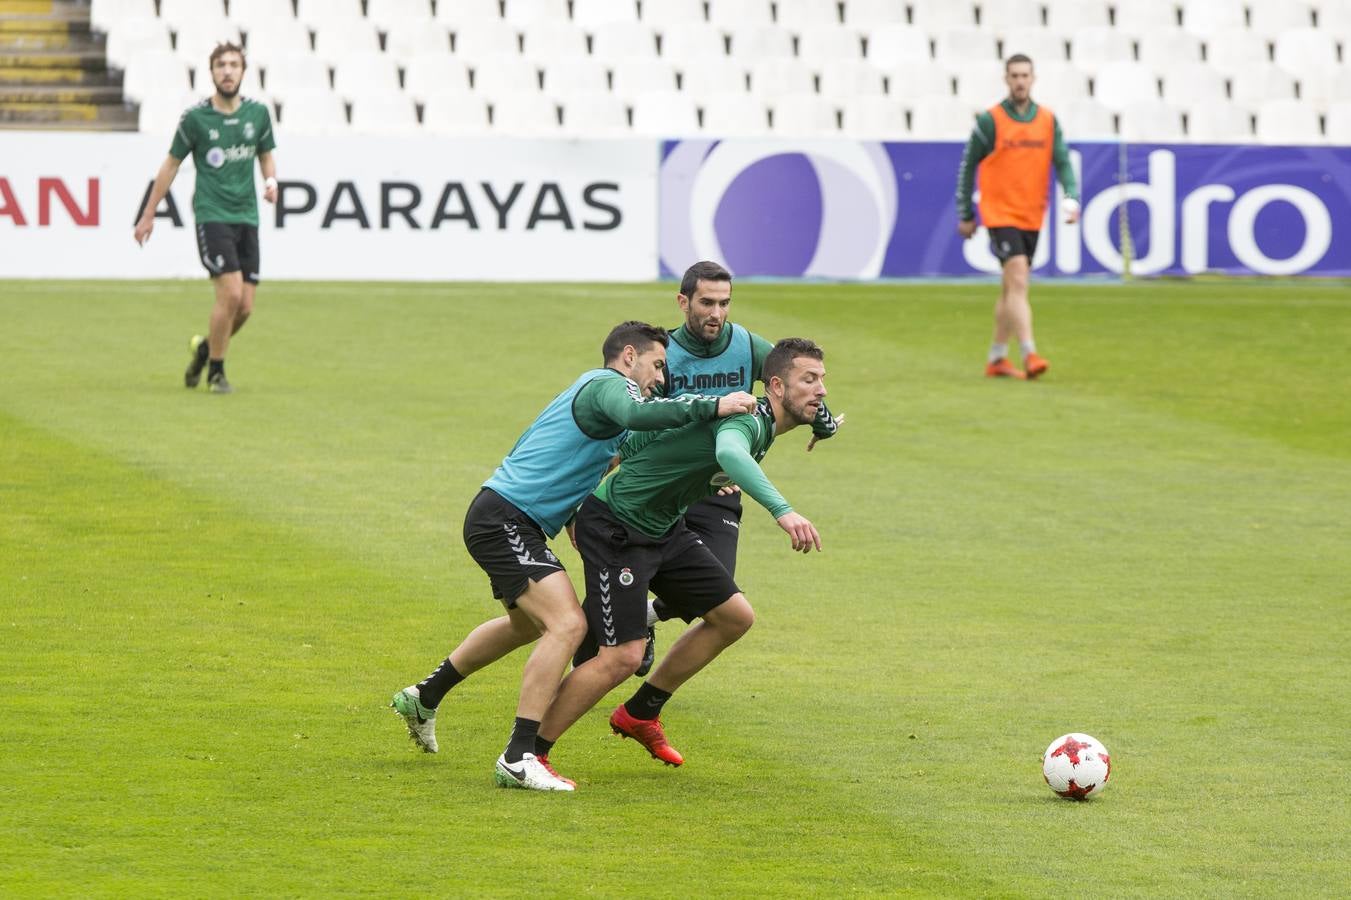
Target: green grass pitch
(207, 601)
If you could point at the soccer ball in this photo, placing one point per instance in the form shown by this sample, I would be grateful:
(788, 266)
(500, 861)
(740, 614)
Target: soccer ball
(1076, 766)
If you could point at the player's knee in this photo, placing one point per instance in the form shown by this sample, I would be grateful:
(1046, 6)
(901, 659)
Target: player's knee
(736, 616)
(569, 627)
(623, 660)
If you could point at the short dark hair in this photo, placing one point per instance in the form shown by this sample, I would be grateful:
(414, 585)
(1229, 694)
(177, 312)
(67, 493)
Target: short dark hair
(779, 360)
(1017, 58)
(702, 271)
(227, 47)
(639, 335)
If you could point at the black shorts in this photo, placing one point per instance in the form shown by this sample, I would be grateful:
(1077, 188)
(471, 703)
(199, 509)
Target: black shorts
(224, 247)
(622, 562)
(717, 522)
(1010, 242)
(508, 545)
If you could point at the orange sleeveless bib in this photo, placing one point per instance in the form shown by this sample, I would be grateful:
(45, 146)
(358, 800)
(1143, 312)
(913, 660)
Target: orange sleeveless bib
(1015, 177)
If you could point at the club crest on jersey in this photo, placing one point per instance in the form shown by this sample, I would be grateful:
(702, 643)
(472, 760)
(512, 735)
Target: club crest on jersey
(248, 131)
(625, 577)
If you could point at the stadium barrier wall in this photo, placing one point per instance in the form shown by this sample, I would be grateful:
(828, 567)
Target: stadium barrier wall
(370, 208)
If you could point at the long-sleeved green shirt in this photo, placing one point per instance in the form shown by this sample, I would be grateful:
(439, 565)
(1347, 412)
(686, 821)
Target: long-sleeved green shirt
(981, 145)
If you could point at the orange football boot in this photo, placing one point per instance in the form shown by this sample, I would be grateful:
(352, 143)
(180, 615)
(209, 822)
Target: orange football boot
(1002, 368)
(1035, 365)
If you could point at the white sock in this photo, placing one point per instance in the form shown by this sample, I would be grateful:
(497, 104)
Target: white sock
(1027, 347)
(998, 352)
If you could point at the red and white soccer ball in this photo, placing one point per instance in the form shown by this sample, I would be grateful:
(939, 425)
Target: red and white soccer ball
(1076, 766)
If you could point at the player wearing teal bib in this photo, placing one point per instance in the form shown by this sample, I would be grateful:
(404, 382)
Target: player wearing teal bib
(632, 536)
(527, 500)
(224, 134)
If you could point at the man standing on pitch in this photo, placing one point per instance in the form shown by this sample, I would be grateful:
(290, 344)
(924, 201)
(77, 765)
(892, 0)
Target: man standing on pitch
(632, 536)
(224, 134)
(1014, 145)
(534, 492)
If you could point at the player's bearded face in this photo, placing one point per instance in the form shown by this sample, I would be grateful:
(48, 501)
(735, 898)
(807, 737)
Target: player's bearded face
(226, 73)
(649, 369)
(706, 312)
(805, 389)
(1019, 79)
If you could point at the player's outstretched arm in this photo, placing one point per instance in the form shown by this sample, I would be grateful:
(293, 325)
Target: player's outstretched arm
(163, 178)
(607, 402)
(734, 455)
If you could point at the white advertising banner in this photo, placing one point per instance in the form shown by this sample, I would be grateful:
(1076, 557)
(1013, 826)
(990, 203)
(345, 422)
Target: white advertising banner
(352, 208)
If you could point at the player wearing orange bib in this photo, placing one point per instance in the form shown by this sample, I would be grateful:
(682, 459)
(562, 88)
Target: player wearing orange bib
(1014, 145)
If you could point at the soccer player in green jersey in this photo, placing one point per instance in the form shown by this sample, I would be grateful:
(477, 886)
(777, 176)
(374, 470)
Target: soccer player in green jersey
(224, 133)
(632, 536)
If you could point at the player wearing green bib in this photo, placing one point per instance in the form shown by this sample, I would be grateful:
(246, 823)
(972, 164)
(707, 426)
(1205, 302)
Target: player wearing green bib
(224, 134)
(632, 537)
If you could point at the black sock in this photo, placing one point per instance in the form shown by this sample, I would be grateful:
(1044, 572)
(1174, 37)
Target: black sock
(217, 368)
(647, 701)
(522, 739)
(542, 747)
(438, 684)
(203, 349)
(660, 609)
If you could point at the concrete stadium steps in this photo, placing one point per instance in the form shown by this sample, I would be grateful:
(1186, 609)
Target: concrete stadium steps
(54, 71)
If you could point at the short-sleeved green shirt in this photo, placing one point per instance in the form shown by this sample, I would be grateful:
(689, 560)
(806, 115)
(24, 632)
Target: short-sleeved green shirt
(223, 149)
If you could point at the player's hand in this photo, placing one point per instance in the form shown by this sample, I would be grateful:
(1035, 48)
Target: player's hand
(143, 229)
(967, 228)
(801, 531)
(1070, 206)
(270, 190)
(736, 404)
(727, 489)
(839, 423)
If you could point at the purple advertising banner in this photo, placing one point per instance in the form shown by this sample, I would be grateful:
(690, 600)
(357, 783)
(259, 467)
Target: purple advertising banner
(863, 210)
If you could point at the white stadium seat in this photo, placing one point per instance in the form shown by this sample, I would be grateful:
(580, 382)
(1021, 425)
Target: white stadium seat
(1219, 123)
(332, 43)
(631, 78)
(1288, 122)
(365, 73)
(1326, 88)
(981, 84)
(525, 114)
(1271, 17)
(261, 15)
(106, 15)
(1259, 83)
(459, 115)
(384, 113)
(1145, 16)
(1093, 48)
(868, 14)
(820, 45)
(159, 112)
(386, 14)
(408, 39)
(494, 77)
(1338, 123)
(134, 37)
(454, 13)
(1151, 122)
(565, 77)
(313, 112)
(323, 14)
(157, 72)
(749, 43)
(941, 15)
(735, 115)
(804, 115)
(525, 13)
(805, 15)
(1041, 44)
(776, 77)
(1086, 120)
(285, 37)
(1059, 83)
(907, 80)
(1302, 50)
(665, 114)
(178, 12)
(941, 118)
(874, 118)
(544, 42)
(665, 13)
(433, 75)
(957, 45)
(1119, 84)
(1334, 17)
(623, 40)
(740, 13)
(591, 13)
(595, 114)
(692, 41)
(708, 77)
(1162, 49)
(1189, 84)
(1001, 15)
(1069, 16)
(194, 40)
(300, 74)
(844, 78)
(1233, 51)
(1208, 17)
(891, 45)
(487, 39)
